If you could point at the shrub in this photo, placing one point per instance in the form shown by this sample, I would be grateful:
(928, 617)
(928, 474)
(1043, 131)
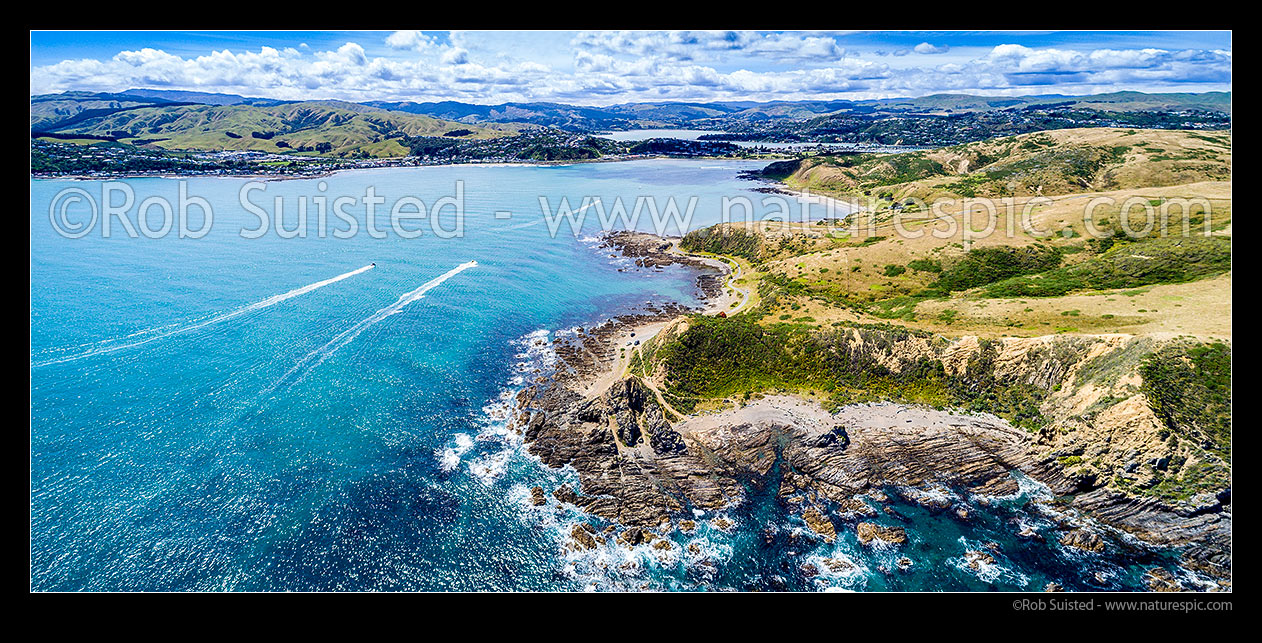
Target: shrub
(983, 266)
(1155, 261)
(924, 265)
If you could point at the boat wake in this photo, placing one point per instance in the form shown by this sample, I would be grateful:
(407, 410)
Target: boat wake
(317, 357)
(161, 334)
(542, 219)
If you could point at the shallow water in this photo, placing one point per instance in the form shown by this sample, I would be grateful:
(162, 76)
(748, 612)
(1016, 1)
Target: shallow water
(267, 414)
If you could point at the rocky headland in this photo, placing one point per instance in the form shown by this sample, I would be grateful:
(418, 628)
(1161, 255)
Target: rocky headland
(645, 467)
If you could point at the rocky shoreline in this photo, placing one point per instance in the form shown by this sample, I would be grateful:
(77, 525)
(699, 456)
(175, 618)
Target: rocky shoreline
(654, 252)
(647, 474)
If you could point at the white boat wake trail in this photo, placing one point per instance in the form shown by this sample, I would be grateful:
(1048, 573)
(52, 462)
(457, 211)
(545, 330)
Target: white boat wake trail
(259, 305)
(542, 219)
(318, 356)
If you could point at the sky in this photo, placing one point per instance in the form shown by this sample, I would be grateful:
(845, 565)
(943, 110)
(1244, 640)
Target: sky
(608, 67)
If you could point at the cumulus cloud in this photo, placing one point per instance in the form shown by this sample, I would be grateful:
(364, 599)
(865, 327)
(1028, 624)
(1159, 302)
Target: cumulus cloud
(710, 45)
(411, 40)
(1020, 65)
(926, 48)
(455, 56)
(625, 66)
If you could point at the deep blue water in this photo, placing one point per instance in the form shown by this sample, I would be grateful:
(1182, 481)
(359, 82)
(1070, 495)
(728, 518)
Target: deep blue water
(189, 433)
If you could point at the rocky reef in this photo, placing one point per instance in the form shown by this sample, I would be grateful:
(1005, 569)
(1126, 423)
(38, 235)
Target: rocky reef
(654, 252)
(638, 470)
(645, 468)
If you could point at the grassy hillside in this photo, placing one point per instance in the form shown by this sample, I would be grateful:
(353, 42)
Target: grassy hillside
(1113, 350)
(941, 271)
(49, 110)
(1044, 163)
(327, 128)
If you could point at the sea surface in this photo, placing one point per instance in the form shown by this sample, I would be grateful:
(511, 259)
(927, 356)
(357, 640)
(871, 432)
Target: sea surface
(319, 413)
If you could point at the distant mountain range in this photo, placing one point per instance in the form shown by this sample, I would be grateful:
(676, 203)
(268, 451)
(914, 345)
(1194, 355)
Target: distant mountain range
(178, 119)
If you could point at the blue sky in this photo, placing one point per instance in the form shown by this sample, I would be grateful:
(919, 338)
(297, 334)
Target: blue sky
(603, 67)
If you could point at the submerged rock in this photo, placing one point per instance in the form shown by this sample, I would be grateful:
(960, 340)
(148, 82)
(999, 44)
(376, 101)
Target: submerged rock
(839, 565)
(1030, 533)
(976, 559)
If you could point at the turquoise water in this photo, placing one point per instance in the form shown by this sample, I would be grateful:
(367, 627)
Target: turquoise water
(280, 414)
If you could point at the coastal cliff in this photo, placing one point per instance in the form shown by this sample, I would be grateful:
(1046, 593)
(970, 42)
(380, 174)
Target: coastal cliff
(1070, 412)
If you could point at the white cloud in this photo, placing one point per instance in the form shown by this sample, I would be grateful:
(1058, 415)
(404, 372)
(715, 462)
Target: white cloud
(612, 67)
(455, 56)
(709, 46)
(926, 48)
(411, 40)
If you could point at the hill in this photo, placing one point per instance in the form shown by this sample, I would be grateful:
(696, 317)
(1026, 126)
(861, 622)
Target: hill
(937, 119)
(329, 128)
(938, 269)
(1043, 163)
(542, 114)
(47, 111)
(1115, 101)
(1111, 348)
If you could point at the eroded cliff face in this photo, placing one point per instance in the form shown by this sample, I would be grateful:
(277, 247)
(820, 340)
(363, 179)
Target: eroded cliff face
(642, 471)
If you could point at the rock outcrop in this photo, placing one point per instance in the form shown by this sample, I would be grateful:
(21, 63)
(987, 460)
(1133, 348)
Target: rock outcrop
(641, 469)
(820, 524)
(623, 477)
(870, 533)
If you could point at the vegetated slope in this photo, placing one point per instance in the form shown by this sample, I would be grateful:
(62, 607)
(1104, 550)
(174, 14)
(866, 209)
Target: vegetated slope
(1114, 101)
(51, 110)
(542, 114)
(327, 128)
(1146, 417)
(1107, 347)
(572, 117)
(1044, 163)
(715, 115)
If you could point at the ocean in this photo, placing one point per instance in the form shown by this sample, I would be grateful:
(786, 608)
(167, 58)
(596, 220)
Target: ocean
(323, 413)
